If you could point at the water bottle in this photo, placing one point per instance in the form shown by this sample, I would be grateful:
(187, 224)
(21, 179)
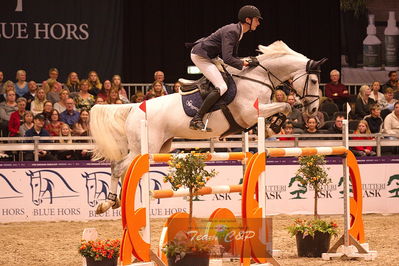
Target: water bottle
(371, 47)
(391, 43)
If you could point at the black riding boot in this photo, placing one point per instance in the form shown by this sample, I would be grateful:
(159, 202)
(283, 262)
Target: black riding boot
(196, 123)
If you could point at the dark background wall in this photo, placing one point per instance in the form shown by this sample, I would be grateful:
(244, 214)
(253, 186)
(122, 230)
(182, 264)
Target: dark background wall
(136, 38)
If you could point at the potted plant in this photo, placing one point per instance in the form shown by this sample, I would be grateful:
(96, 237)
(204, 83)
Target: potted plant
(313, 236)
(100, 252)
(188, 171)
(223, 237)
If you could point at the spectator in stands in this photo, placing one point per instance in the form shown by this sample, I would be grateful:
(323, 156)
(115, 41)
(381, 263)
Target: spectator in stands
(82, 127)
(17, 117)
(335, 90)
(53, 89)
(38, 130)
(60, 106)
(26, 124)
(392, 82)
(177, 87)
(363, 102)
(8, 85)
(391, 121)
(21, 86)
(138, 97)
(295, 116)
(100, 100)
(53, 74)
(376, 95)
(312, 126)
(113, 96)
(160, 77)
(389, 103)
(47, 111)
(279, 96)
(6, 109)
(374, 119)
(336, 128)
(319, 118)
(156, 90)
(94, 83)
(118, 101)
(84, 99)
(104, 92)
(117, 83)
(30, 95)
(54, 125)
(362, 128)
(287, 129)
(70, 116)
(37, 104)
(72, 83)
(65, 154)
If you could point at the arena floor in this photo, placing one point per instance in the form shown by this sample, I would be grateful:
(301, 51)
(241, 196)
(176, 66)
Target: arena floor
(56, 243)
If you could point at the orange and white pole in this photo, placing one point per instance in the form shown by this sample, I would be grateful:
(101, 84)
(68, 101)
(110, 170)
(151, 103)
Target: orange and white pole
(169, 193)
(294, 152)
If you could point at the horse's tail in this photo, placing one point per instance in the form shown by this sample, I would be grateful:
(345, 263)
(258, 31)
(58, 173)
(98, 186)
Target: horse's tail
(107, 126)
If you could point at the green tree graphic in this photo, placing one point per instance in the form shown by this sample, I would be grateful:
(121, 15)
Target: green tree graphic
(341, 182)
(302, 188)
(395, 190)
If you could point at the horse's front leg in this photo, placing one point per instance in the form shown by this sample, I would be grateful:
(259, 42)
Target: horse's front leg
(112, 199)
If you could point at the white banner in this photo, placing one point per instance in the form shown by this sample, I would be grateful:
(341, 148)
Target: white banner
(48, 191)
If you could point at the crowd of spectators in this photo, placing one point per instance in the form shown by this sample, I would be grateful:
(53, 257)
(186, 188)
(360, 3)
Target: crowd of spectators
(63, 109)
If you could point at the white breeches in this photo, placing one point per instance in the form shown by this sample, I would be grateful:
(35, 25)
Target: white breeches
(210, 71)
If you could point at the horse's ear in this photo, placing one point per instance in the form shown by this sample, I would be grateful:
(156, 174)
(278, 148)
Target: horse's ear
(322, 61)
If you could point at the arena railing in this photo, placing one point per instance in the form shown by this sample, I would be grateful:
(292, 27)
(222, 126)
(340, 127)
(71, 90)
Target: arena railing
(34, 144)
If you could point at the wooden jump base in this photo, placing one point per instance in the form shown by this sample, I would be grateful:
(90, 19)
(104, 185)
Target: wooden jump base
(133, 220)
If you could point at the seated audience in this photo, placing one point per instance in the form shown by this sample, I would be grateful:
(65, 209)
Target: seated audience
(113, 96)
(30, 95)
(60, 106)
(6, 109)
(84, 100)
(54, 125)
(47, 108)
(311, 125)
(392, 82)
(319, 118)
(94, 83)
(156, 90)
(8, 85)
(279, 96)
(362, 128)
(66, 154)
(336, 128)
(336, 91)
(138, 97)
(287, 129)
(374, 119)
(17, 118)
(389, 103)
(82, 127)
(100, 100)
(70, 116)
(21, 86)
(391, 121)
(296, 115)
(177, 87)
(118, 101)
(72, 83)
(26, 124)
(38, 130)
(160, 77)
(53, 90)
(37, 104)
(117, 83)
(363, 102)
(104, 92)
(376, 95)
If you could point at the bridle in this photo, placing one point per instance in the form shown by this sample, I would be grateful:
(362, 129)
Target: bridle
(312, 67)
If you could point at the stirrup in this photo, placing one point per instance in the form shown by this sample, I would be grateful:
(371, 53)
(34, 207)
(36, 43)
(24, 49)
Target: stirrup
(198, 124)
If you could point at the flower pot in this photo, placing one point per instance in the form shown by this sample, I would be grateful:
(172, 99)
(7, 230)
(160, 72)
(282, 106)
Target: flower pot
(190, 260)
(104, 262)
(309, 246)
(226, 244)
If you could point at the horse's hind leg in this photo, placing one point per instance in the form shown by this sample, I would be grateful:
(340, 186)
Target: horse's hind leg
(112, 199)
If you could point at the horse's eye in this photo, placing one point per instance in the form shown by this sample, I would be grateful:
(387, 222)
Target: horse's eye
(314, 81)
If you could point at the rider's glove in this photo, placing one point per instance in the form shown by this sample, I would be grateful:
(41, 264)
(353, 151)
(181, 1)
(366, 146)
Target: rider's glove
(253, 61)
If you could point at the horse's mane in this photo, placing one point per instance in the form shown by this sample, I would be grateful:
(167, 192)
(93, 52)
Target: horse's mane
(277, 49)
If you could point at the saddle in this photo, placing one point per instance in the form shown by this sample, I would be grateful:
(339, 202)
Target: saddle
(195, 91)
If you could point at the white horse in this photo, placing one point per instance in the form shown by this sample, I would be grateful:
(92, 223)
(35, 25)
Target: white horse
(116, 128)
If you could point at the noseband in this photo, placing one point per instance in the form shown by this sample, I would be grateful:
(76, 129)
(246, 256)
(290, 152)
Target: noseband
(311, 68)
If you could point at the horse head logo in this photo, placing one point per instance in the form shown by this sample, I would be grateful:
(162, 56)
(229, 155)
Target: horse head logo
(10, 191)
(42, 185)
(154, 184)
(96, 188)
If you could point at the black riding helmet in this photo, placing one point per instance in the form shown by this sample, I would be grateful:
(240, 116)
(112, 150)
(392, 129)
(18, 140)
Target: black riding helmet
(248, 12)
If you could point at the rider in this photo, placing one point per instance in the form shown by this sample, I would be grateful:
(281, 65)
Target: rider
(223, 43)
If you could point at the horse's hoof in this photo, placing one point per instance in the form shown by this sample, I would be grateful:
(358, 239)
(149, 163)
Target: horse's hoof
(103, 207)
(117, 204)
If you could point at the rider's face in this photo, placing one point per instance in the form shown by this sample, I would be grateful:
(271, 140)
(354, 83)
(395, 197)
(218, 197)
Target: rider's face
(255, 23)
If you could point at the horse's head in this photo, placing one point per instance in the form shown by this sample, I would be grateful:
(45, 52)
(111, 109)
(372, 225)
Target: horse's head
(91, 187)
(306, 85)
(36, 185)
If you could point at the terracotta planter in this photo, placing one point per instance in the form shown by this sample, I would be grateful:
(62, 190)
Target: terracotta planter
(105, 262)
(312, 246)
(190, 260)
